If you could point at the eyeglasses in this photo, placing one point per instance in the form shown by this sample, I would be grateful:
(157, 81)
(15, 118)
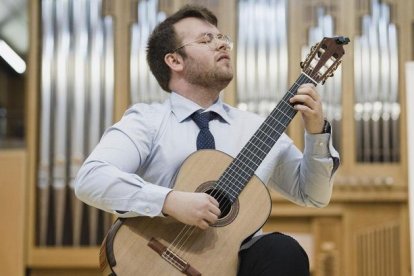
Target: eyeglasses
(212, 41)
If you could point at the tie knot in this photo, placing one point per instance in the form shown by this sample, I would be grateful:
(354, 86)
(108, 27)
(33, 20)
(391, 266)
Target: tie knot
(202, 119)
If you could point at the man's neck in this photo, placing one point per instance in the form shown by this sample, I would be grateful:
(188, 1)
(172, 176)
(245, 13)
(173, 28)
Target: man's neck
(200, 95)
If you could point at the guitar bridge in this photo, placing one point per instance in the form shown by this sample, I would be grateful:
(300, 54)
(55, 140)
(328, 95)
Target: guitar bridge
(172, 258)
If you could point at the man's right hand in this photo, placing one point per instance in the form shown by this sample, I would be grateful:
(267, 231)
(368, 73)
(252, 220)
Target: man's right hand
(198, 209)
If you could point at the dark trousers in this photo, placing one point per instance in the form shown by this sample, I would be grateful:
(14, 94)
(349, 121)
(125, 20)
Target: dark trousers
(274, 254)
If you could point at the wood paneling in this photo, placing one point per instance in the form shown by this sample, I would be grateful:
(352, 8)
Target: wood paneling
(65, 272)
(68, 257)
(12, 204)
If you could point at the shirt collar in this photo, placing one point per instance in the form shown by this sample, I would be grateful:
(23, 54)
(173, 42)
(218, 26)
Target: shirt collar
(183, 108)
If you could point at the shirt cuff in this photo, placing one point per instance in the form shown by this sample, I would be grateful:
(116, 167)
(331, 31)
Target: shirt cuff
(154, 196)
(320, 145)
(317, 144)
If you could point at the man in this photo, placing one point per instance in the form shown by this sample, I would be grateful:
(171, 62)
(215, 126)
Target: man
(131, 171)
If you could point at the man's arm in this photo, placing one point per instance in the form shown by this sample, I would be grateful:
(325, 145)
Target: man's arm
(304, 178)
(108, 180)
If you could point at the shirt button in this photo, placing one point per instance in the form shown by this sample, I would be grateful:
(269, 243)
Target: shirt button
(147, 210)
(321, 144)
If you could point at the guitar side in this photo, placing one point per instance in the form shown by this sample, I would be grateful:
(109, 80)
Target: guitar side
(126, 250)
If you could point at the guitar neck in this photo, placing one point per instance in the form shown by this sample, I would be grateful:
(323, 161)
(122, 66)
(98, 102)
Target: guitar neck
(239, 172)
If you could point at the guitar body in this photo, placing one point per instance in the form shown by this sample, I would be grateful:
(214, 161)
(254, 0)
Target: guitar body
(126, 249)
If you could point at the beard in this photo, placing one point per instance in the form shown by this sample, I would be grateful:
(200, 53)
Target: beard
(216, 77)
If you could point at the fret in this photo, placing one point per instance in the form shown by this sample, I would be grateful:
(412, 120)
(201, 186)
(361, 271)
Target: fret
(258, 148)
(237, 175)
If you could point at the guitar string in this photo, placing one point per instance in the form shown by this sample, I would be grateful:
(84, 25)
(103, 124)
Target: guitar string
(192, 228)
(172, 260)
(185, 230)
(255, 151)
(175, 245)
(181, 236)
(232, 177)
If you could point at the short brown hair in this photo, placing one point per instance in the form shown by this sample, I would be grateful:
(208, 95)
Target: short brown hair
(164, 40)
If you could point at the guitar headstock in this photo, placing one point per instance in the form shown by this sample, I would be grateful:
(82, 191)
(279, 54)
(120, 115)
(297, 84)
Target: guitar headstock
(324, 58)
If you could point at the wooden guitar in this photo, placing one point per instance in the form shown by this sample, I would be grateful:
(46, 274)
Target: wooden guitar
(164, 246)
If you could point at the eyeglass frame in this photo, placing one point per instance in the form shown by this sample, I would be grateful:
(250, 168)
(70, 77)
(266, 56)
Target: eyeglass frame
(215, 37)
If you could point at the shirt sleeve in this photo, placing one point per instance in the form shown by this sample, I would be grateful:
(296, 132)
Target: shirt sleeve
(305, 179)
(108, 180)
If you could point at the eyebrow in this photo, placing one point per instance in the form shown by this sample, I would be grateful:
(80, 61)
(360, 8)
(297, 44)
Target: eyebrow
(196, 37)
(203, 34)
(206, 33)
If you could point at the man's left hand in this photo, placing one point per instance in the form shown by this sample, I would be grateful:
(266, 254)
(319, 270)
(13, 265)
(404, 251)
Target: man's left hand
(308, 102)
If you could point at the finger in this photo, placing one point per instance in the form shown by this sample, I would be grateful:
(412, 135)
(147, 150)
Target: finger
(308, 93)
(203, 225)
(302, 108)
(211, 218)
(213, 200)
(309, 90)
(215, 210)
(309, 85)
(304, 100)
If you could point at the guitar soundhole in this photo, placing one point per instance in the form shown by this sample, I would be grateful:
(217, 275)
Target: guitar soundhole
(228, 209)
(222, 199)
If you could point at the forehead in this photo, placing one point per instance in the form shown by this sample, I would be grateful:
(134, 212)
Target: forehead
(192, 27)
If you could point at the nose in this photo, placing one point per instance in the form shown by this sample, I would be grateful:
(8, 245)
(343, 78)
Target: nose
(221, 44)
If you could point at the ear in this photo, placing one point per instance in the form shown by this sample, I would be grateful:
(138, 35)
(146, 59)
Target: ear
(174, 61)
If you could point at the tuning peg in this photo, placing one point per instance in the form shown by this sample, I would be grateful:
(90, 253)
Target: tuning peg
(343, 40)
(327, 76)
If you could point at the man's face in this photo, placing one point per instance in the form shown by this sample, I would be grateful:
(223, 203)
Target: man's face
(208, 62)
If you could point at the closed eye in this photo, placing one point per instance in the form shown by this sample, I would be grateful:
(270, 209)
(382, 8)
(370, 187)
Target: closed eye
(207, 38)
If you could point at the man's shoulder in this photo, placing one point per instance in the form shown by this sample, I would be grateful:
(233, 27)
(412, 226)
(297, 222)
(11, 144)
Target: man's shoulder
(240, 114)
(152, 110)
(148, 115)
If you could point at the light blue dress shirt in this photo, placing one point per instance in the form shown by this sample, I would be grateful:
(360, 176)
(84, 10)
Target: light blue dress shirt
(133, 166)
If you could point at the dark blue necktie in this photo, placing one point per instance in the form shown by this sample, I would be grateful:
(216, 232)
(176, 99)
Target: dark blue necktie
(205, 139)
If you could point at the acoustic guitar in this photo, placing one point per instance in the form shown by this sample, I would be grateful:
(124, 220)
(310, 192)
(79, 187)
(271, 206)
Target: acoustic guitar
(164, 246)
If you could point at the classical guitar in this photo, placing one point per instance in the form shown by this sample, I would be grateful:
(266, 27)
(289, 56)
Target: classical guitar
(164, 246)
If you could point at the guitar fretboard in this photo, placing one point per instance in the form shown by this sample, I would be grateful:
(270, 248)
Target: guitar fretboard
(239, 172)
